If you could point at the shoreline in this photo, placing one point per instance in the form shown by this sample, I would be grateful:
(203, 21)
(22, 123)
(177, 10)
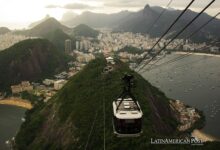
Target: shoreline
(194, 125)
(195, 53)
(203, 136)
(17, 102)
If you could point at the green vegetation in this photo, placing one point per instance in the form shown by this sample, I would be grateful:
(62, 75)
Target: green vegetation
(57, 37)
(34, 120)
(65, 121)
(31, 97)
(84, 30)
(49, 25)
(50, 29)
(131, 50)
(77, 103)
(30, 60)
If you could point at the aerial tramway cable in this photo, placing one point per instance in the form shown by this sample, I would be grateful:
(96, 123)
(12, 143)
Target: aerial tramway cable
(91, 129)
(185, 55)
(178, 34)
(174, 22)
(103, 101)
(153, 66)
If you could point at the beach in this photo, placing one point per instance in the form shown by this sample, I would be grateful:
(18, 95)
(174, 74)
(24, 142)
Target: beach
(199, 54)
(17, 102)
(203, 136)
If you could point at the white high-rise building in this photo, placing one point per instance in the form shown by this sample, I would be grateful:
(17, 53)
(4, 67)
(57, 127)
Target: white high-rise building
(77, 45)
(86, 45)
(81, 45)
(68, 46)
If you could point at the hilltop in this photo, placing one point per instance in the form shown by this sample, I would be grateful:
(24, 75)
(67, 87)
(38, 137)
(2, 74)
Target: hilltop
(50, 29)
(30, 60)
(32, 25)
(84, 30)
(65, 121)
(48, 25)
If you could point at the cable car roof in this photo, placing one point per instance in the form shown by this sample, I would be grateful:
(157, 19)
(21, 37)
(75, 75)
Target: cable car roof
(127, 110)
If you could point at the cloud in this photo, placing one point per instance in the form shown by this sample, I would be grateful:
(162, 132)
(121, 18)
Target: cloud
(77, 6)
(109, 6)
(125, 3)
(53, 6)
(142, 3)
(71, 6)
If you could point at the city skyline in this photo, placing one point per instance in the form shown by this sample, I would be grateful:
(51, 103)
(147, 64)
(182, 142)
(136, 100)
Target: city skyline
(19, 14)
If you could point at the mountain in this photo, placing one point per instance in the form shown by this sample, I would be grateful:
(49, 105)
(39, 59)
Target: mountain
(4, 30)
(97, 20)
(57, 37)
(138, 21)
(30, 60)
(141, 21)
(65, 122)
(68, 16)
(47, 26)
(50, 29)
(39, 22)
(84, 30)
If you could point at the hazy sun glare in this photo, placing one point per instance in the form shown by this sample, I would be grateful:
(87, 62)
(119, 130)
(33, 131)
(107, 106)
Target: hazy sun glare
(29, 10)
(20, 13)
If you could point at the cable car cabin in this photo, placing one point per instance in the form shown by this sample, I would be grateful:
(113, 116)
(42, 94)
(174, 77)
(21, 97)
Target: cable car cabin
(127, 120)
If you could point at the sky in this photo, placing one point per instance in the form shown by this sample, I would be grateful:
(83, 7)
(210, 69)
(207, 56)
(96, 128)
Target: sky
(20, 13)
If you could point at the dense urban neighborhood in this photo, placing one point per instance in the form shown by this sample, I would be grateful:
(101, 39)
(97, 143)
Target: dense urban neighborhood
(128, 47)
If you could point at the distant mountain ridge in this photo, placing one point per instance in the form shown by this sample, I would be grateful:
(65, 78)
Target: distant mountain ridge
(57, 33)
(96, 20)
(84, 30)
(50, 29)
(32, 25)
(141, 21)
(50, 24)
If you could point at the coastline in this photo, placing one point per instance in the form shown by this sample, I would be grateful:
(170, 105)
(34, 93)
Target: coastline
(193, 126)
(17, 102)
(203, 136)
(198, 54)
